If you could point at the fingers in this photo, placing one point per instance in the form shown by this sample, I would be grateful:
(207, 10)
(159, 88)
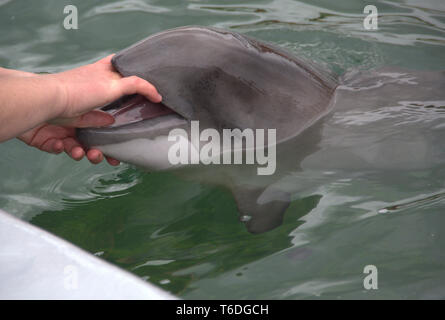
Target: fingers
(106, 60)
(128, 85)
(53, 145)
(47, 137)
(133, 84)
(106, 63)
(96, 156)
(112, 161)
(55, 139)
(73, 148)
(93, 118)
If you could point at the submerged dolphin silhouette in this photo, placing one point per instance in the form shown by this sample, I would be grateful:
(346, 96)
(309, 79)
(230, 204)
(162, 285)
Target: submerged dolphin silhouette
(224, 80)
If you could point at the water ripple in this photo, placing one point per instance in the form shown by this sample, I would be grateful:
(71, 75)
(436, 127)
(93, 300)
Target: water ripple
(417, 202)
(125, 6)
(406, 112)
(299, 15)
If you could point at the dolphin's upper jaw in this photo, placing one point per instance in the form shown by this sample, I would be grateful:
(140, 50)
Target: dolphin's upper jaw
(135, 118)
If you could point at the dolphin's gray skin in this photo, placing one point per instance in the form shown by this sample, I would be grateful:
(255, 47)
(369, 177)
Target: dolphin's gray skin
(388, 122)
(224, 80)
(227, 80)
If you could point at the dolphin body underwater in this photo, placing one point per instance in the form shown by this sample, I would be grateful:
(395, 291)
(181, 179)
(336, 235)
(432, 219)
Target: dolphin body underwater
(230, 81)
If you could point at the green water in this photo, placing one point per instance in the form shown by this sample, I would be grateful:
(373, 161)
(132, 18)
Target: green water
(185, 236)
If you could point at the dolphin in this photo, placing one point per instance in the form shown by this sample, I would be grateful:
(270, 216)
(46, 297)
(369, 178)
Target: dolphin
(224, 80)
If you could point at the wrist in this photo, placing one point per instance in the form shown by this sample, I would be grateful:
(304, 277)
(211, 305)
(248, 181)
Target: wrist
(60, 98)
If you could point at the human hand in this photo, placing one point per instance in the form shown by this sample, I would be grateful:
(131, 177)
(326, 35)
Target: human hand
(88, 87)
(56, 104)
(56, 139)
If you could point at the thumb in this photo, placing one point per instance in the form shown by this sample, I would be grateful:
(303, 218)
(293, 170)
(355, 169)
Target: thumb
(93, 118)
(133, 84)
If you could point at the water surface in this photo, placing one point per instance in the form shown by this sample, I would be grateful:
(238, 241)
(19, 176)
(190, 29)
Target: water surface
(185, 236)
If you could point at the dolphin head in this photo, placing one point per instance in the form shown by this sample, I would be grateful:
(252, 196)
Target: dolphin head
(220, 78)
(224, 80)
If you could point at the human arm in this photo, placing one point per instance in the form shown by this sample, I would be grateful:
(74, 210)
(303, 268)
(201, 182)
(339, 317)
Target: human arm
(43, 110)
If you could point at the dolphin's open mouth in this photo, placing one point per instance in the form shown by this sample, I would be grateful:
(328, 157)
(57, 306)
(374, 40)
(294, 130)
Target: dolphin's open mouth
(135, 117)
(135, 108)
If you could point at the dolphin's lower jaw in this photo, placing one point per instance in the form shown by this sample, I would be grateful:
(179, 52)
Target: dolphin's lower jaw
(143, 143)
(148, 154)
(160, 152)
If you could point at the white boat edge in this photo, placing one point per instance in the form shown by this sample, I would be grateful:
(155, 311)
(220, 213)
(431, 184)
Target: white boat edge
(35, 264)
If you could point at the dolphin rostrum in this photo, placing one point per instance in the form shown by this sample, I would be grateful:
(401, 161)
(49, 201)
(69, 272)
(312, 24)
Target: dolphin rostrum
(224, 80)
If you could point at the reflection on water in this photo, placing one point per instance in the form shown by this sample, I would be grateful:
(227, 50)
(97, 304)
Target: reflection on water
(33, 182)
(131, 234)
(424, 201)
(384, 152)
